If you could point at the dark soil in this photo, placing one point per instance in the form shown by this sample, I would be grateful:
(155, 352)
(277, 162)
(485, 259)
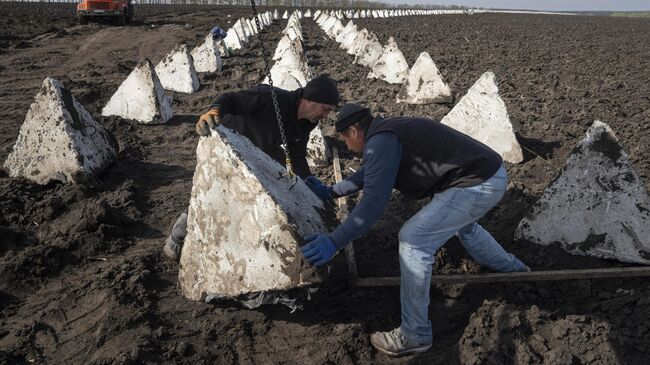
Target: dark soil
(82, 277)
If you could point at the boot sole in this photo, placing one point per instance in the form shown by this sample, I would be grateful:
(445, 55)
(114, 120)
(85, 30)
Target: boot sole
(413, 351)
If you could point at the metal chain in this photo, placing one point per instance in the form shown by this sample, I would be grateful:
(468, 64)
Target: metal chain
(278, 117)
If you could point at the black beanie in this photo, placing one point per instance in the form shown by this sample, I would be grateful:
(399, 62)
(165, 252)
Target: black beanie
(350, 113)
(321, 89)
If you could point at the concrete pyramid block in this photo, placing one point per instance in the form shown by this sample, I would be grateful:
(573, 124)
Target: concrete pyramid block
(276, 15)
(316, 148)
(391, 65)
(242, 29)
(317, 13)
(334, 30)
(284, 45)
(424, 84)
(597, 206)
(293, 33)
(176, 71)
(59, 140)
(232, 39)
(346, 30)
(140, 97)
(308, 13)
(285, 15)
(223, 49)
(482, 115)
(252, 27)
(244, 224)
(207, 56)
(369, 50)
(349, 38)
(287, 77)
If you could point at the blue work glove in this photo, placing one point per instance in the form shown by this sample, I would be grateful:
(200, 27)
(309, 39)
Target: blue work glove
(218, 32)
(319, 249)
(321, 190)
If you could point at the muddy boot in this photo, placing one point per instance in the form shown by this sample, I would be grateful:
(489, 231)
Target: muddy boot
(174, 242)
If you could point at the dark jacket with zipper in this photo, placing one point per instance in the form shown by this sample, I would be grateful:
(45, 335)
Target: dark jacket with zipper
(251, 113)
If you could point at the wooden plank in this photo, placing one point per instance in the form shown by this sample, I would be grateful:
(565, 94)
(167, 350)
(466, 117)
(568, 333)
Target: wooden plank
(343, 208)
(552, 275)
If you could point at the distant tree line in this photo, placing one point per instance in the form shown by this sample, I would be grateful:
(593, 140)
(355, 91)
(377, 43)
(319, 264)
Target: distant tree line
(341, 4)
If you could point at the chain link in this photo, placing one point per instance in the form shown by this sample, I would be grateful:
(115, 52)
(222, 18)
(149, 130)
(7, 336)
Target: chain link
(278, 117)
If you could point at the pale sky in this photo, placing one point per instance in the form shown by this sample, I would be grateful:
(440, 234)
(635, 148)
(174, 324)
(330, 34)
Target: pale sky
(559, 5)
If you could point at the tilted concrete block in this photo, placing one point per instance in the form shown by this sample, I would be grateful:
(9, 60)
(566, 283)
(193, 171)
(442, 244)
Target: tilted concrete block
(59, 140)
(424, 84)
(207, 57)
(482, 115)
(276, 15)
(140, 97)
(391, 66)
(285, 15)
(317, 151)
(597, 206)
(308, 13)
(245, 224)
(176, 71)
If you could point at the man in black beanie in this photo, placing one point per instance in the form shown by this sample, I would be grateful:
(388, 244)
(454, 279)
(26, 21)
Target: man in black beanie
(251, 113)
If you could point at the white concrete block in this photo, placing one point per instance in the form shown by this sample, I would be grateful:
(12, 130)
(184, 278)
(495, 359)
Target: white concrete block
(276, 15)
(346, 30)
(287, 77)
(232, 39)
(335, 29)
(308, 13)
(482, 115)
(285, 15)
(140, 97)
(598, 206)
(349, 39)
(176, 71)
(59, 140)
(369, 50)
(283, 46)
(391, 65)
(243, 30)
(317, 151)
(207, 56)
(245, 225)
(223, 49)
(251, 26)
(424, 84)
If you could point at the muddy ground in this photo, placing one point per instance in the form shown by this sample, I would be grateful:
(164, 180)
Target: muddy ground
(82, 278)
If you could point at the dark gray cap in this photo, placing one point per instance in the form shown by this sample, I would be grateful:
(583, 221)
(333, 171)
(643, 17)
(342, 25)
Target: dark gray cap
(349, 114)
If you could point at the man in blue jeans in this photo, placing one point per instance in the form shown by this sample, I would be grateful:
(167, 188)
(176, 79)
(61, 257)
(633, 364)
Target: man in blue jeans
(422, 159)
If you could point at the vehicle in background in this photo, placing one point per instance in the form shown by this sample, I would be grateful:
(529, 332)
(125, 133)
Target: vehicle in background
(120, 10)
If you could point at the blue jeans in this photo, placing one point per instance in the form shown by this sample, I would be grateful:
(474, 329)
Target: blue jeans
(453, 211)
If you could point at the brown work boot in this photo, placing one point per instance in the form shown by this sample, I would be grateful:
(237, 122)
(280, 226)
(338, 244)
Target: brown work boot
(394, 343)
(174, 243)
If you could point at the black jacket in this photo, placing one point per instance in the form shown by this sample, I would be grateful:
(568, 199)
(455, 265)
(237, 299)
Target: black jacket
(250, 113)
(436, 157)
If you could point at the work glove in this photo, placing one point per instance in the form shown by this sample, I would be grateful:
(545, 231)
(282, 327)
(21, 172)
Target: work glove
(319, 249)
(208, 121)
(321, 190)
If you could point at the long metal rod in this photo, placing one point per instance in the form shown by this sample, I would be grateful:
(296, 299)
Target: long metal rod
(552, 275)
(343, 209)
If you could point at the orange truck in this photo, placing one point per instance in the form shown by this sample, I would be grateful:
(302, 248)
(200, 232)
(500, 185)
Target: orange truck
(120, 10)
